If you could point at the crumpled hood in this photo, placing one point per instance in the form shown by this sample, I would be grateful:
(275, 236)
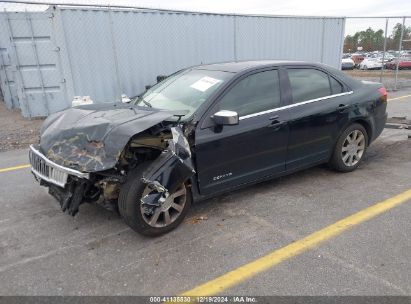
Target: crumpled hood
(91, 138)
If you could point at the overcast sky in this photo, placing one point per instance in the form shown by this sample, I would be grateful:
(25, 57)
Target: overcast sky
(287, 7)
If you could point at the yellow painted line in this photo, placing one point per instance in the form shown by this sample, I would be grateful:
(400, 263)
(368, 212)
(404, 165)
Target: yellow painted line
(400, 97)
(247, 271)
(14, 168)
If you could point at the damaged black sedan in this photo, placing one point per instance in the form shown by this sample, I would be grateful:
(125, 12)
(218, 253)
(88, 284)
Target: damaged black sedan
(203, 131)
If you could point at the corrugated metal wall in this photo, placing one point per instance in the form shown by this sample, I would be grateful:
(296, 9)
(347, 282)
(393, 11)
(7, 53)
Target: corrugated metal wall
(139, 46)
(295, 38)
(70, 51)
(30, 78)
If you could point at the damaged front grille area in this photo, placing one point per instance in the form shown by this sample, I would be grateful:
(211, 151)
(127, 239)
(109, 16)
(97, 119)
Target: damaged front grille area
(46, 170)
(71, 197)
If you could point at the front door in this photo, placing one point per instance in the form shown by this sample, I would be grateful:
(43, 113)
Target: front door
(229, 156)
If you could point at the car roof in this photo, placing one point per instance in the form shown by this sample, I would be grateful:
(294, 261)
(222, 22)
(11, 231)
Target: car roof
(236, 67)
(240, 66)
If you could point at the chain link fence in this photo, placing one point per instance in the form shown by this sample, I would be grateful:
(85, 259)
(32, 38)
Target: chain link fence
(380, 48)
(51, 53)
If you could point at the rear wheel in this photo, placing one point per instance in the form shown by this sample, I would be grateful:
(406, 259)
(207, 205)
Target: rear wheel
(156, 221)
(350, 149)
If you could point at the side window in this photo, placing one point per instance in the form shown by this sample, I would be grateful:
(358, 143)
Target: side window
(253, 94)
(336, 87)
(308, 84)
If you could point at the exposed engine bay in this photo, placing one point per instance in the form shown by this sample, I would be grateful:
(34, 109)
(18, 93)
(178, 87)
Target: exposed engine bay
(165, 144)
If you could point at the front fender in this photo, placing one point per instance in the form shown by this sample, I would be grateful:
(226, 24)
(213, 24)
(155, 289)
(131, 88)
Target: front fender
(172, 168)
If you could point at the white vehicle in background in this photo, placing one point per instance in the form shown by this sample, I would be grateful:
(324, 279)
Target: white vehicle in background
(371, 64)
(347, 64)
(388, 56)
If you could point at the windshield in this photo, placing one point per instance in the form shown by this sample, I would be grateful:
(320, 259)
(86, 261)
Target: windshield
(185, 90)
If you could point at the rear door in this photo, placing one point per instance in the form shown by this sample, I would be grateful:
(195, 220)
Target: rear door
(255, 148)
(319, 109)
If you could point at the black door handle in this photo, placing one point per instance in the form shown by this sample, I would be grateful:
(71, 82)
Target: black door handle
(274, 117)
(342, 107)
(276, 124)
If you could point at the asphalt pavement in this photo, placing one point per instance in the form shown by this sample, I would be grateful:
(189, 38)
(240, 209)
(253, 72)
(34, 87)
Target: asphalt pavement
(46, 252)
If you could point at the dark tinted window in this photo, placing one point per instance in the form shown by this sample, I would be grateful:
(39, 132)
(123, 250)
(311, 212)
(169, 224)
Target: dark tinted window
(308, 84)
(336, 87)
(253, 94)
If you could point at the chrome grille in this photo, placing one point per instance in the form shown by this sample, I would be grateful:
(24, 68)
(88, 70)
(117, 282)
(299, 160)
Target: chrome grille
(45, 170)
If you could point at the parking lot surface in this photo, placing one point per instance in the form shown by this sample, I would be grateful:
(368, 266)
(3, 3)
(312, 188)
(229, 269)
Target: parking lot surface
(46, 252)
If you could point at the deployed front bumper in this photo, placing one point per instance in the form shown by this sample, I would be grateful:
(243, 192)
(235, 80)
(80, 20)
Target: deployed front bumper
(45, 169)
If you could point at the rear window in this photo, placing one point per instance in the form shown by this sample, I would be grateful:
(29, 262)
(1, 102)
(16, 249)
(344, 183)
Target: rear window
(307, 84)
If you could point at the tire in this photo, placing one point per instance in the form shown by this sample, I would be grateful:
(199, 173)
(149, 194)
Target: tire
(132, 212)
(339, 160)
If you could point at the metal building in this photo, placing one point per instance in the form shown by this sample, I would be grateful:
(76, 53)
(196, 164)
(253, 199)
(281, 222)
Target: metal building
(49, 57)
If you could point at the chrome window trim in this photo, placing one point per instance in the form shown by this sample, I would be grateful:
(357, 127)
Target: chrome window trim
(58, 167)
(294, 105)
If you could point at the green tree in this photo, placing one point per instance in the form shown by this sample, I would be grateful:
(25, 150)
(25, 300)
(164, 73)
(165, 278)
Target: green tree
(350, 44)
(366, 39)
(379, 39)
(396, 35)
(369, 40)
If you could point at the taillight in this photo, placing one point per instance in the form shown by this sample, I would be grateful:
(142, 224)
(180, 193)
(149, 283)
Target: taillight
(384, 94)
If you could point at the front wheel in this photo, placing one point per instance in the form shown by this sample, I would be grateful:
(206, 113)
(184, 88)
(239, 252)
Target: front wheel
(350, 149)
(151, 221)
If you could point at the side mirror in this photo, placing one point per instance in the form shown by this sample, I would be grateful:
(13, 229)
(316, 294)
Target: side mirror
(225, 117)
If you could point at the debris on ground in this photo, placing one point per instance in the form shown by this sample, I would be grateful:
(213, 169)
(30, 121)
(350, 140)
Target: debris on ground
(196, 219)
(17, 132)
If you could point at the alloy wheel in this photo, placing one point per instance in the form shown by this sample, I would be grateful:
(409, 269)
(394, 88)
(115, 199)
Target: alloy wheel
(353, 148)
(169, 210)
